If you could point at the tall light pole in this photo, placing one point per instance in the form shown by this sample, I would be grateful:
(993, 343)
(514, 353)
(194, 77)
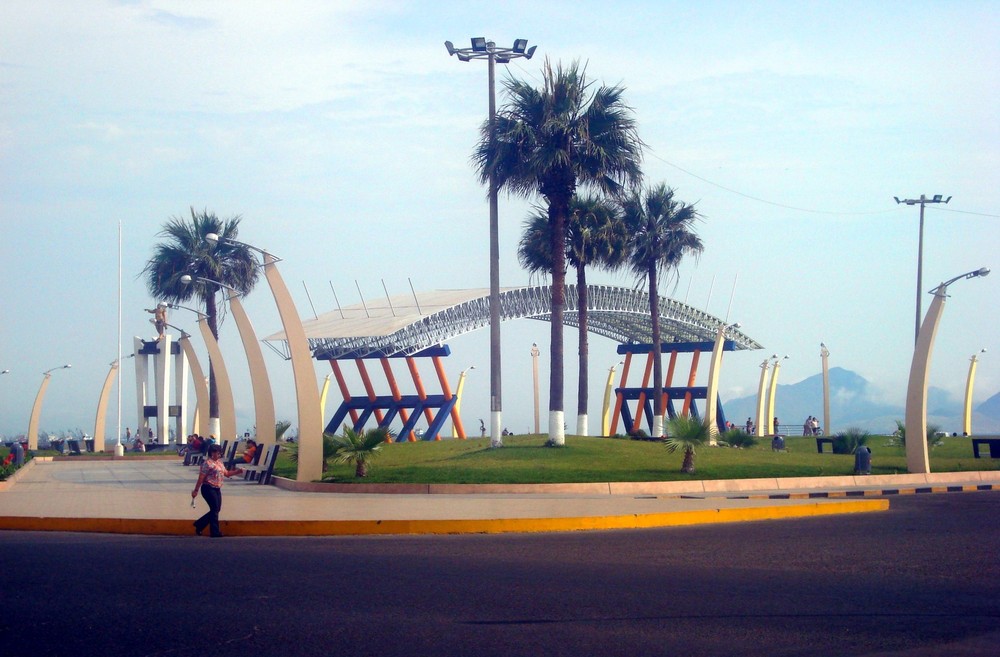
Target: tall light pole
(824, 354)
(967, 416)
(773, 392)
(483, 49)
(458, 398)
(712, 391)
(534, 379)
(263, 399)
(36, 409)
(917, 459)
(310, 446)
(922, 201)
(100, 418)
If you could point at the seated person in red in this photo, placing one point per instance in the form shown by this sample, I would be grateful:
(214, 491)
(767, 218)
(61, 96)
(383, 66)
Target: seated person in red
(249, 451)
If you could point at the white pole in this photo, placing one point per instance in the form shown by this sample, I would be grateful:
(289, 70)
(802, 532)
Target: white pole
(118, 426)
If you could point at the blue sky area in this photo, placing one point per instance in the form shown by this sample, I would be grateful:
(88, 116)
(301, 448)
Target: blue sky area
(342, 133)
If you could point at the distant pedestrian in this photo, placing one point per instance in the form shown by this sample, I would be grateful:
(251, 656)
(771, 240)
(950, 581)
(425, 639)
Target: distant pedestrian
(210, 478)
(777, 426)
(749, 425)
(815, 426)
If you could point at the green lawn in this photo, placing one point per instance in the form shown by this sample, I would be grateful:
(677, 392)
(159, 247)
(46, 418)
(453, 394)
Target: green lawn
(525, 459)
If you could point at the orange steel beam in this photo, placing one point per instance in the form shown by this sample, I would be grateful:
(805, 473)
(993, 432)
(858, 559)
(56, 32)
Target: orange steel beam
(421, 393)
(691, 376)
(446, 390)
(343, 389)
(642, 395)
(670, 377)
(379, 416)
(394, 389)
(618, 396)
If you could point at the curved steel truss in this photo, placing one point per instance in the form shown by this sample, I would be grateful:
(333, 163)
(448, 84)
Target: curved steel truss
(404, 326)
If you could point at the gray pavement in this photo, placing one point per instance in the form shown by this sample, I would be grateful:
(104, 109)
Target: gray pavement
(154, 497)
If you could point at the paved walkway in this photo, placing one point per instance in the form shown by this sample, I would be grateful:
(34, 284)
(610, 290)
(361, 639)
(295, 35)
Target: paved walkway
(154, 497)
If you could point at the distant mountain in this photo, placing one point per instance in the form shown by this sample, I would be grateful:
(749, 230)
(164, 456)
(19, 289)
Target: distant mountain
(853, 404)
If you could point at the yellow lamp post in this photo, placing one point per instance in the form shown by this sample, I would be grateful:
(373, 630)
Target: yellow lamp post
(967, 415)
(712, 391)
(917, 457)
(762, 425)
(36, 409)
(606, 412)
(824, 354)
(458, 397)
(773, 392)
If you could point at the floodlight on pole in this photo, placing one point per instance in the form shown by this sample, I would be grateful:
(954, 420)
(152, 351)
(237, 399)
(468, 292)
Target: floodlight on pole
(310, 465)
(922, 201)
(36, 408)
(488, 50)
(917, 458)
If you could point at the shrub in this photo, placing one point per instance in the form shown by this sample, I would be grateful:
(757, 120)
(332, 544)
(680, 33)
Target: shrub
(638, 434)
(846, 442)
(899, 435)
(738, 438)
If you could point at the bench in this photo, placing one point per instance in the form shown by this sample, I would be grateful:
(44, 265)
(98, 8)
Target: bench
(261, 472)
(823, 441)
(992, 443)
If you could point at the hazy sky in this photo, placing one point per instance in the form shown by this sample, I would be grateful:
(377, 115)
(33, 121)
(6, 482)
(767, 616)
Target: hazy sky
(342, 133)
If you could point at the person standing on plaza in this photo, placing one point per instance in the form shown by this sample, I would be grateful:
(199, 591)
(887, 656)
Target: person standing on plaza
(210, 478)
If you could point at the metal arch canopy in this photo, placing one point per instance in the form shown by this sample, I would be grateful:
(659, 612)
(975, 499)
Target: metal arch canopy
(407, 324)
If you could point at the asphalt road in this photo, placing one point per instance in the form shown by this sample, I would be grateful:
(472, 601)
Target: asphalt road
(920, 579)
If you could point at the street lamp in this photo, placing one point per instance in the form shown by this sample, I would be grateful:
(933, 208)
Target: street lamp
(488, 50)
(227, 405)
(712, 391)
(771, 395)
(310, 467)
(36, 409)
(917, 459)
(100, 418)
(967, 416)
(923, 200)
(263, 399)
(458, 400)
(824, 354)
(606, 413)
(762, 424)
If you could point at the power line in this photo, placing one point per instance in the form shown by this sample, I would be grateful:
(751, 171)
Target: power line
(765, 201)
(978, 214)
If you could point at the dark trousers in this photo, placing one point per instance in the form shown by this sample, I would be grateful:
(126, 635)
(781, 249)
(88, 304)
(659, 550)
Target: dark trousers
(213, 496)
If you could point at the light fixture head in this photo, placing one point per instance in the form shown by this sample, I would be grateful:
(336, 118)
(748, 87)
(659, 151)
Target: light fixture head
(531, 51)
(822, 344)
(479, 44)
(66, 366)
(736, 325)
(520, 45)
(186, 279)
(937, 198)
(450, 46)
(463, 58)
(983, 271)
(212, 238)
(5, 372)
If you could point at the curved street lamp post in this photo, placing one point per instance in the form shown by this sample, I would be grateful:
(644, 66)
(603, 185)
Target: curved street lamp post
(712, 391)
(310, 456)
(917, 458)
(36, 408)
(967, 415)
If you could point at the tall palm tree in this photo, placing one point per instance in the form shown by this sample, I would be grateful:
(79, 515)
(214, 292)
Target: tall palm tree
(595, 235)
(549, 141)
(662, 230)
(185, 251)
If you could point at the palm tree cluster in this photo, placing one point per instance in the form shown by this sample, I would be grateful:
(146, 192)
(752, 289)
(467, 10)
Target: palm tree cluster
(551, 142)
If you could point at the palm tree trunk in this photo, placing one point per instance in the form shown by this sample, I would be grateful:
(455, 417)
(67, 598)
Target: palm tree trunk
(361, 468)
(688, 464)
(583, 379)
(213, 391)
(654, 314)
(558, 210)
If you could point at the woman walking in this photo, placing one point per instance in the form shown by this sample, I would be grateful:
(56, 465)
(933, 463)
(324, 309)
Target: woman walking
(210, 482)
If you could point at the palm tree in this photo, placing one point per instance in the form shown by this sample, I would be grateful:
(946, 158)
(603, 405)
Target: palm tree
(185, 251)
(686, 433)
(549, 141)
(662, 234)
(357, 447)
(595, 235)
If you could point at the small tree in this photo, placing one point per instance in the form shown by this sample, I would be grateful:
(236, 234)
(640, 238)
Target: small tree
(686, 433)
(899, 436)
(357, 447)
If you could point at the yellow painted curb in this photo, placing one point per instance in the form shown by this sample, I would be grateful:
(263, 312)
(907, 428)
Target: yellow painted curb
(475, 526)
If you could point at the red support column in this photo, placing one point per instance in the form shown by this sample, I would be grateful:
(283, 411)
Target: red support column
(343, 388)
(640, 406)
(691, 377)
(379, 416)
(446, 391)
(421, 393)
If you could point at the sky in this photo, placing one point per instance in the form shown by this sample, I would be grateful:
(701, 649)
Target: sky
(342, 132)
